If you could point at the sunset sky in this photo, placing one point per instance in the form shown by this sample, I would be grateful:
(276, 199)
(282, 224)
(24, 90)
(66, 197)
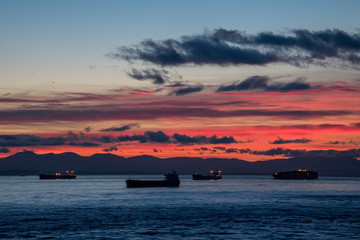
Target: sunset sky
(253, 80)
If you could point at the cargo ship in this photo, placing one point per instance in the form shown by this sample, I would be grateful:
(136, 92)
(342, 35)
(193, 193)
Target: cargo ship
(171, 180)
(299, 174)
(215, 175)
(67, 175)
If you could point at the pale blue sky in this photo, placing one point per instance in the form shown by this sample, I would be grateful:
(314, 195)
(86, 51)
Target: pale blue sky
(47, 42)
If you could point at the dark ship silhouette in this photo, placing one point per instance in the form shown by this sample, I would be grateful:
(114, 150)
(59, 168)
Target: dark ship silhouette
(299, 174)
(171, 180)
(68, 175)
(215, 175)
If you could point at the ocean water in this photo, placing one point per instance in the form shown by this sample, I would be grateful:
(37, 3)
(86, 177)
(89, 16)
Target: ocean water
(237, 207)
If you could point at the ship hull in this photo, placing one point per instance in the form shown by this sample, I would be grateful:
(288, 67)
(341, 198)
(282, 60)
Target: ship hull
(47, 176)
(151, 183)
(205, 177)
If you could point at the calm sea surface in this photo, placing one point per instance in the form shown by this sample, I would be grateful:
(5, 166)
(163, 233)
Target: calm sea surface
(237, 207)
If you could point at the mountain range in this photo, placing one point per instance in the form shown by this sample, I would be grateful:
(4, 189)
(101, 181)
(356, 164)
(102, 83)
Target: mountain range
(31, 163)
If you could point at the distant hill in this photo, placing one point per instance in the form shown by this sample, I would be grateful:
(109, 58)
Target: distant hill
(324, 162)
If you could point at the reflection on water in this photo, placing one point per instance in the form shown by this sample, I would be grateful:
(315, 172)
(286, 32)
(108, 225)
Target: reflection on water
(248, 207)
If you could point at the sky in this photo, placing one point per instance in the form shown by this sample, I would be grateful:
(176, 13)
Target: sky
(251, 80)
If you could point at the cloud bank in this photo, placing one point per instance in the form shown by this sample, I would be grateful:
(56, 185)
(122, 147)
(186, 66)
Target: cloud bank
(270, 152)
(22, 140)
(154, 112)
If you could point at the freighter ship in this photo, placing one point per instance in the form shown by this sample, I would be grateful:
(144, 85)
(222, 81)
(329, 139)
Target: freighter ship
(171, 180)
(215, 175)
(299, 174)
(67, 175)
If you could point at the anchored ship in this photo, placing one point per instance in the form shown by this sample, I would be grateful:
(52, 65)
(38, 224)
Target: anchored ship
(171, 180)
(67, 175)
(299, 174)
(214, 175)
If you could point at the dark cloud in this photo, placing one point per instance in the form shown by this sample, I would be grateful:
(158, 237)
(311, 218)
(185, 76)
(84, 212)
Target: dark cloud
(205, 149)
(251, 83)
(153, 112)
(187, 90)
(270, 152)
(342, 142)
(121, 128)
(110, 149)
(278, 151)
(22, 140)
(187, 140)
(179, 149)
(283, 141)
(232, 150)
(223, 140)
(4, 150)
(336, 142)
(220, 148)
(352, 142)
(246, 141)
(105, 139)
(72, 137)
(177, 84)
(158, 136)
(161, 137)
(232, 47)
(157, 76)
(296, 85)
(87, 129)
(149, 136)
(262, 83)
(126, 138)
(198, 50)
(354, 59)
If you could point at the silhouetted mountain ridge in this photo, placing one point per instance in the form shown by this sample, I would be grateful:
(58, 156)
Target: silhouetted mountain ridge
(325, 162)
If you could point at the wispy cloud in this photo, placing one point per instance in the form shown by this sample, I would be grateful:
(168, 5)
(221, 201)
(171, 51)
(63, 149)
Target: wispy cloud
(187, 90)
(155, 75)
(231, 47)
(121, 128)
(342, 142)
(336, 142)
(262, 83)
(286, 141)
